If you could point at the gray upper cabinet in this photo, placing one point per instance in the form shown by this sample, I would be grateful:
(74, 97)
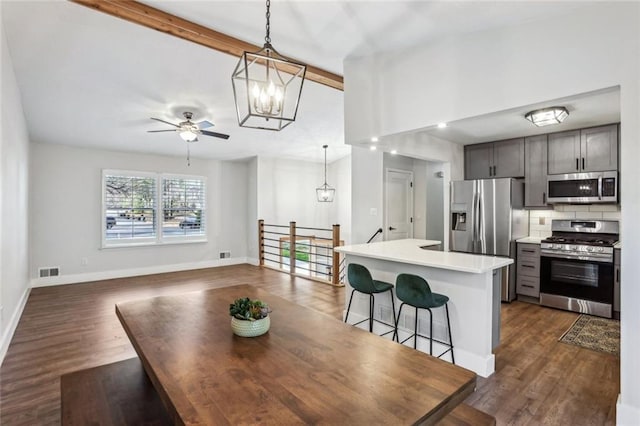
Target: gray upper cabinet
(478, 161)
(564, 152)
(508, 158)
(495, 159)
(587, 150)
(599, 148)
(535, 171)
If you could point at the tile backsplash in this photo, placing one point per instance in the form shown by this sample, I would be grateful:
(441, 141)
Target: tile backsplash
(540, 220)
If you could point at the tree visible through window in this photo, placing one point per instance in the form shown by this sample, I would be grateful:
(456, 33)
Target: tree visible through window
(152, 208)
(182, 206)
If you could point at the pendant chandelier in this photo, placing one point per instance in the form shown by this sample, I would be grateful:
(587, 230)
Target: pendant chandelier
(547, 116)
(324, 192)
(267, 86)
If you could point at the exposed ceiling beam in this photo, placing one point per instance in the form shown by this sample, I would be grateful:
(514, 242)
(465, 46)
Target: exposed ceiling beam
(156, 19)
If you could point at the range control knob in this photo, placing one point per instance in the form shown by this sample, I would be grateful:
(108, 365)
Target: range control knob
(574, 247)
(600, 249)
(590, 249)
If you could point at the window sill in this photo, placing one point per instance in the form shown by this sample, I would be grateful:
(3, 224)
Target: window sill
(170, 242)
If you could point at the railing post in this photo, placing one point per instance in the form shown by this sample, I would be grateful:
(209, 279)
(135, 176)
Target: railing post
(292, 248)
(261, 242)
(335, 275)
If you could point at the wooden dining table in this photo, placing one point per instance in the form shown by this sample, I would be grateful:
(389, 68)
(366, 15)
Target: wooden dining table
(309, 367)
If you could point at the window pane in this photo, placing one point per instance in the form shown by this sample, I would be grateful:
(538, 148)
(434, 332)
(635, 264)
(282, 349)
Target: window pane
(183, 202)
(130, 207)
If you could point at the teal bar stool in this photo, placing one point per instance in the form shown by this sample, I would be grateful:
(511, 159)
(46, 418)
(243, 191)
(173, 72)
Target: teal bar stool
(361, 281)
(414, 291)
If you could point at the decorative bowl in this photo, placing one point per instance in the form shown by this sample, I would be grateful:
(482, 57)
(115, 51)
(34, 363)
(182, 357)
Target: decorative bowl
(245, 328)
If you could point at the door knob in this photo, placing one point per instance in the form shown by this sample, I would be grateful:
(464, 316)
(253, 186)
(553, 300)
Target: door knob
(391, 228)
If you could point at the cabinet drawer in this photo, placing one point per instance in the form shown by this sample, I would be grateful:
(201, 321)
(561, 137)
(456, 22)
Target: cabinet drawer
(528, 250)
(529, 266)
(528, 286)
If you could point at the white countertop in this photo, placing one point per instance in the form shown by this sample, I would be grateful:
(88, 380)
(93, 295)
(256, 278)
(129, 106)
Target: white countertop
(618, 245)
(409, 251)
(530, 240)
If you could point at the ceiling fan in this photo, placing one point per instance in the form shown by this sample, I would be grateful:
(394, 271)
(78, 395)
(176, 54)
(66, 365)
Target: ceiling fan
(189, 130)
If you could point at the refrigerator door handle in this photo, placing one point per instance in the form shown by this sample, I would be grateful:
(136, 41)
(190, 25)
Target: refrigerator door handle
(476, 220)
(479, 219)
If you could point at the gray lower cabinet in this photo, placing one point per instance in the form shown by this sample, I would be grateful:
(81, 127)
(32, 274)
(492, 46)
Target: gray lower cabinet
(587, 150)
(535, 171)
(528, 270)
(494, 159)
(616, 283)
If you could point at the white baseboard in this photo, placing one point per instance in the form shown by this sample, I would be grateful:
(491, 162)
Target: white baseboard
(13, 324)
(133, 272)
(627, 415)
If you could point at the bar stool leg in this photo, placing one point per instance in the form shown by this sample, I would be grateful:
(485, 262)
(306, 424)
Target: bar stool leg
(415, 330)
(453, 360)
(372, 302)
(430, 332)
(397, 336)
(395, 323)
(349, 307)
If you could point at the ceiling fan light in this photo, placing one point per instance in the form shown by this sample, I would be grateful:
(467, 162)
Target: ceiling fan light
(547, 116)
(188, 136)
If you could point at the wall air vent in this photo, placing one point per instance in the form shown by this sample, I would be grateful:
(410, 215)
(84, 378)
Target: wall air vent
(225, 254)
(49, 271)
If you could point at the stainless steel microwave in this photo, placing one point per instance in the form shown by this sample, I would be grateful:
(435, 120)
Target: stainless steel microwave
(583, 188)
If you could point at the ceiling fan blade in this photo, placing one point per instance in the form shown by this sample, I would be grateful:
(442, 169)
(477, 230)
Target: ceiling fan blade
(158, 131)
(204, 124)
(166, 122)
(214, 134)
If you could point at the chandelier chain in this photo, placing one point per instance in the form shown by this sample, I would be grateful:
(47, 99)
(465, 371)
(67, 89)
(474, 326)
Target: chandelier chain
(267, 38)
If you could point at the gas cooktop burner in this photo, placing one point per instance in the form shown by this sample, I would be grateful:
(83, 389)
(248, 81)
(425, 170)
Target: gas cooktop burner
(581, 240)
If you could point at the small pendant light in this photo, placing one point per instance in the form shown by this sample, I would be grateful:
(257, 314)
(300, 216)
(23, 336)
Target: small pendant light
(324, 192)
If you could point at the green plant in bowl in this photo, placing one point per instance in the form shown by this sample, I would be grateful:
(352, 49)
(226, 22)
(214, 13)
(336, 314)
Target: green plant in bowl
(249, 310)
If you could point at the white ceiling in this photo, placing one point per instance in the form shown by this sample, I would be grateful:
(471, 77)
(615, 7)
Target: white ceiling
(92, 80)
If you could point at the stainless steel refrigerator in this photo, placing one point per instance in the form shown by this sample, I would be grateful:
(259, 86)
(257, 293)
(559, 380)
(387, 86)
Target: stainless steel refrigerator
(487, 217)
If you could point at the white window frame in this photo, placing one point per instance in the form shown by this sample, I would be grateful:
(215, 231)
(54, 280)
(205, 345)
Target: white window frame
(159, 238)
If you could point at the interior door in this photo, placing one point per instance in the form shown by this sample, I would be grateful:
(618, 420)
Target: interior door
(398, 205)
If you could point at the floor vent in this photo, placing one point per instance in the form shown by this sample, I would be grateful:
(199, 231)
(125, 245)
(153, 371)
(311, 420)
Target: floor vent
(225, 254)
(52, 271)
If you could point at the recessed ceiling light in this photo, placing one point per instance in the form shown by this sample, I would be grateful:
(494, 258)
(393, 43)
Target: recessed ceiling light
(373, 148)
(394, 152)
(374, 139)
(442, 125)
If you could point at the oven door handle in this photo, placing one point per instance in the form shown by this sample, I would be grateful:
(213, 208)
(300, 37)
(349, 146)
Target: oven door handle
(591, 258)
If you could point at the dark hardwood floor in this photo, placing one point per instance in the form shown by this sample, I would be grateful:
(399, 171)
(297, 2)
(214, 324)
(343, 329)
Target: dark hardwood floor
(67, 328)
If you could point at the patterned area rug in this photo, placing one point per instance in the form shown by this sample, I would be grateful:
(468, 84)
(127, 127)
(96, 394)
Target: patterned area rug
(598, 334)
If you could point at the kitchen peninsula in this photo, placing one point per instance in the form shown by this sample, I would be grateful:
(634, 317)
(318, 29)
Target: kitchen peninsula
(471, 282)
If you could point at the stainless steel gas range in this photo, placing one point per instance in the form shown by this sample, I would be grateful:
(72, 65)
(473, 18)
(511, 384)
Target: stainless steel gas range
(577, 267)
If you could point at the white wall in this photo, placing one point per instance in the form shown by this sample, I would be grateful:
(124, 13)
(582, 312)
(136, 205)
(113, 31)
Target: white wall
(14, 206)
(367, 207)
(339, 174)
(66, 202)
(252, 210)
(437, 187)
(287, 192)
(593, 48)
